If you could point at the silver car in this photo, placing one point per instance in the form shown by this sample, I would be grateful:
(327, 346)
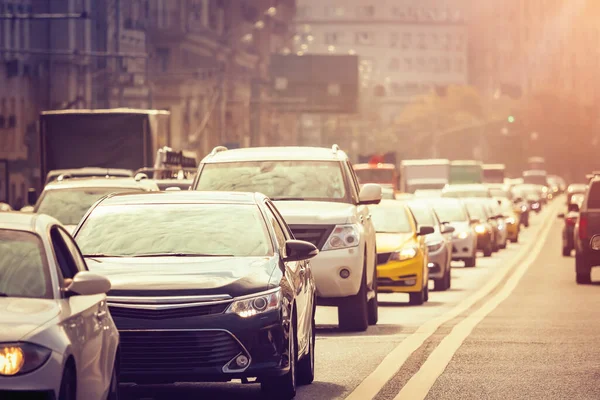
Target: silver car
(464, 238)
(57, 339)
(439, 244)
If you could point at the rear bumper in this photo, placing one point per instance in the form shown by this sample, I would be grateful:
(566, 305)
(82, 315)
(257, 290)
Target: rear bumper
(464, 248)
(402, 276)
(326, 267)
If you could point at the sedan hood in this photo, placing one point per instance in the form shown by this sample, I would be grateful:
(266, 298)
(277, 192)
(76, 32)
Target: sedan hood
(185, 276)
(21, 316)
(388, 242)
(316, 212)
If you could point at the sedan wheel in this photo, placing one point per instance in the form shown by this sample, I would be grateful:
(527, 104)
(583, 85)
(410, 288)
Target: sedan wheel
(306, 366)
(68, 385)
(113, 393)
(284, 387)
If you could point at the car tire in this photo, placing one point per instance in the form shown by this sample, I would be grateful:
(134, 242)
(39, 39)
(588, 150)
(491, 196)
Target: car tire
(353, 314)
(487, 252)
(284, 387)
(306, 366)
(449, 277)
(503, 246)
(416, 298)
(426, 293)
(470, 262)
(566, 252)
(583, 271)
(373, 305)
(515, 240)
(68, 384)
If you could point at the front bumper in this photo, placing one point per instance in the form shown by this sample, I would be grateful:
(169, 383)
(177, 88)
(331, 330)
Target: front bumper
(326, 267)
(202, 348)
(512, 230)
(464, 248)
(43, 383)
(402, 276)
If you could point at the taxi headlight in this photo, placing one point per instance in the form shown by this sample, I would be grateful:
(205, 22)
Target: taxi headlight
(461, 235)
(523, 208)
(342, 237)
(480, 229)
(404, 254)
(256, 304)
(21, 358)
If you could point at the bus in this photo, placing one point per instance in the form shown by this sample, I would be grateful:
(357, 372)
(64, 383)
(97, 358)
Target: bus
(494, 173)
(382, 173)
(465, 172)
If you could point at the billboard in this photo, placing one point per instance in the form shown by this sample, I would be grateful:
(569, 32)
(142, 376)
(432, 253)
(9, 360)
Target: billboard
(315, 83)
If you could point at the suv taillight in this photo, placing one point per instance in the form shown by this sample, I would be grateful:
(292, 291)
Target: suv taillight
(583, 227)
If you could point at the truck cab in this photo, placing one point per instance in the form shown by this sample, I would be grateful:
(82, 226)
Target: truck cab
(383, 174)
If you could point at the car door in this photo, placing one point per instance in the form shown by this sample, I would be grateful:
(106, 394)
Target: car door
(298, 274)
(85, 322)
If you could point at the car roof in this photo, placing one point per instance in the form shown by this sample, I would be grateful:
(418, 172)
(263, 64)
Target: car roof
(183, 197)
(102, 182)
(276, 154)
(28, 222)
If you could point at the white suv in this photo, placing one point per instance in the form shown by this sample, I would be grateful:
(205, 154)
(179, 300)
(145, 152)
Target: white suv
(318, 194)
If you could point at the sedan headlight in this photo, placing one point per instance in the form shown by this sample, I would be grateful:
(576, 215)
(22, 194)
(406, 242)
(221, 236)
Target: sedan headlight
(404, 254)
(435, 246)
(460, 235)
(21, 358)
(523, 208)
(480, 229)
(342, 237)
(256, 304)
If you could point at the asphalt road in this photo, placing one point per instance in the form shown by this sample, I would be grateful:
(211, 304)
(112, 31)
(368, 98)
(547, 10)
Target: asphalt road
(516, 326)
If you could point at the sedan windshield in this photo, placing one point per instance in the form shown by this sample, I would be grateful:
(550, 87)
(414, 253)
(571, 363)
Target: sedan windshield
(280, 180)
(70, 205)
(23, 265)
(477, 210)
(390, 219)
(422, 214)
(450, 213)
(175, 229)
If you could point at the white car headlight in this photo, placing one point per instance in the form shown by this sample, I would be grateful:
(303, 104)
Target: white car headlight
(460, 235)
(480, 228)
(256, 304)
(342, 237)
(404, 254)
(432, 247)
(21, 358)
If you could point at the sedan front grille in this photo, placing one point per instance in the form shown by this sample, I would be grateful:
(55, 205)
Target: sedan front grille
(181, 312)
(383, 258)
(176, 351)
(315, 234)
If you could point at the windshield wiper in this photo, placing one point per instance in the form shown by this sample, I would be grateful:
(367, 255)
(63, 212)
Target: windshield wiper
(288, 198)
(182, 255)
(100, 255)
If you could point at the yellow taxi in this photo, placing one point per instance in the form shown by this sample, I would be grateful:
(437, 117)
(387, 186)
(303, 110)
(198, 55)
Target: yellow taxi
(512, 219)
(402, 258)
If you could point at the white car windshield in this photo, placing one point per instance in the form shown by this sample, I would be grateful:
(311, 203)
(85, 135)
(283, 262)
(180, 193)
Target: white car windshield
(70, 205)
(390, 219)
(280, 180)
(175, 229)
(23, 265)
(450, 212)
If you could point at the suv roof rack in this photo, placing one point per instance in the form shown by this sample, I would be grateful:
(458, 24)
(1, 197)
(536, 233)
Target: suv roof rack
(335, 148)
(218, 149)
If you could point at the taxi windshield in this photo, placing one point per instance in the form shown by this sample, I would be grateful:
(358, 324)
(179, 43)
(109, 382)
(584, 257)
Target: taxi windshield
(390, 219)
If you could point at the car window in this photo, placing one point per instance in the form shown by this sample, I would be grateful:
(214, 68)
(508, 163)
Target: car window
(284, 226)
(74, 250)
(184, 229)
(593, 200)
(477, 210)
(390, 219)
(423, 215)
(279, 180)
(70, 205)
(451, 212)
(279, 234)
(23, 265)
(66, 263)
(355, 180)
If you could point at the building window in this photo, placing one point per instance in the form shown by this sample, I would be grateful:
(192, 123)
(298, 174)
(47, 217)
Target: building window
(448, 42)
(334, 11)
(394, 64)
(394, 39)
(460, 65)
(406, 40)
(333, 38)
(303, 12)
(422, 42)
(364, 38)
(399, 13)
(445, 64)
(366, 11)
(420, 63)
(435, 41)
(408, 64)
(460, 42)
(162, 55)
(433, 65)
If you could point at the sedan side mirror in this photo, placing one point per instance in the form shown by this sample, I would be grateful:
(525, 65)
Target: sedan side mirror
(370, 193)
(87, 283)
(448, 229)
(299, 250)
(425, 230)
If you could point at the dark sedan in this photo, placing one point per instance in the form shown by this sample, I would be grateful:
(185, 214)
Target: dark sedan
(206, 287)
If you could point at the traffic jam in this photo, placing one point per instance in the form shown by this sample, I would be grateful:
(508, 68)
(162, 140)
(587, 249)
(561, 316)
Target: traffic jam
(160, 269)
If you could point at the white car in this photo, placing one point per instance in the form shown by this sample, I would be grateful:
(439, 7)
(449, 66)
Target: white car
(318, 194)
(57, 338)
(68, 199)
(464, 238)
